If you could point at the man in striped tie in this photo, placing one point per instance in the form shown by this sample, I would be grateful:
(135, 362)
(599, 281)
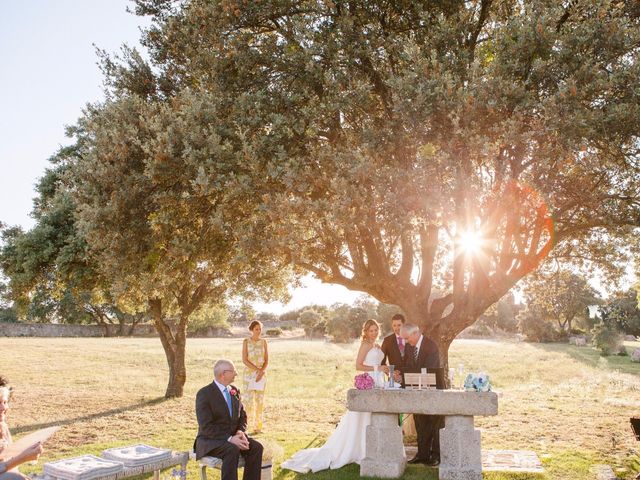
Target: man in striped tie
(422, 352)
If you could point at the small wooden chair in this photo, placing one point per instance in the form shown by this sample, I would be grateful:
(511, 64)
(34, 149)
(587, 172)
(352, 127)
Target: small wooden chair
(419, 381)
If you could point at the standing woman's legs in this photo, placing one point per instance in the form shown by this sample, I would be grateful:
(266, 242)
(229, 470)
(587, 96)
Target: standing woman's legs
(248, 400)
(258, 396)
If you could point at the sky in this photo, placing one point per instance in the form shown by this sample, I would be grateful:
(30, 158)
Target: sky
(48, 74)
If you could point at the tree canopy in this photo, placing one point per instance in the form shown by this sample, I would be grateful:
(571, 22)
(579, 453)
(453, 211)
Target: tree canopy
(430, 154)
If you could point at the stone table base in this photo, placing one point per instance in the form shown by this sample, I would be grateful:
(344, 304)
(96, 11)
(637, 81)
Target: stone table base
(460, 454)
(385, 456)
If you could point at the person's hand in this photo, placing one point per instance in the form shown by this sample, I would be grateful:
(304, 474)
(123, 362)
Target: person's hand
(397, 376)
(240, 441)
(259, 375)
(384, 368)
(31, 453)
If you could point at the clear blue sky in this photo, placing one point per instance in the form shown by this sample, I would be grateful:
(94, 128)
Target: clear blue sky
(48, 74)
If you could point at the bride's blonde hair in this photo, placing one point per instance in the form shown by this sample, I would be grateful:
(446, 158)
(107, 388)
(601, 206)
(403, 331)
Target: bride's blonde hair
(366, 327)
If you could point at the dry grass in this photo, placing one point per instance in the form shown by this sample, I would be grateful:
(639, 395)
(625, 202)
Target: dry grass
(566, 403)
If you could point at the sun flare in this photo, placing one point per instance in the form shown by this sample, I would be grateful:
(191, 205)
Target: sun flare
(470, 241)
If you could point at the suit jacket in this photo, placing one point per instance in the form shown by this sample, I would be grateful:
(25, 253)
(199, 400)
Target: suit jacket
(392, 355)
(428, 356)
(215, 425)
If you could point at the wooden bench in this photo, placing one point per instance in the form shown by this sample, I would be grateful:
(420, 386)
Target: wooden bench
(215, 462)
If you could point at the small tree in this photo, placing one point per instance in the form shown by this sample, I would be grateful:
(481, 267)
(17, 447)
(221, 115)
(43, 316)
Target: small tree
(622, 312)
(314, 323)
(561, 296)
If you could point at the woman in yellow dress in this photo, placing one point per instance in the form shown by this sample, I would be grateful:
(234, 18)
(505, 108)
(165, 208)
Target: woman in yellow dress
(255, 356)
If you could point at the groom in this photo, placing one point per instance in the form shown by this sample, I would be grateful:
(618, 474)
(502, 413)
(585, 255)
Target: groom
(393, 344)
(421, 352)
(222, 423)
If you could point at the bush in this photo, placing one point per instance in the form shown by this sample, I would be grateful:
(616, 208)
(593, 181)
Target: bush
(313, 323)
(274, 332)
(607, 339)
(537, 329)
(346, 324)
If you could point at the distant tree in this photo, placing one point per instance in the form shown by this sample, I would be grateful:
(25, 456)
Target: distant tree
(502, 315)
(622, 313)
(50, 276)
(209, 316)
(384, 312)
(561, 296)
(312, 322)
(535, 324)
(266, 317)
(345, 322)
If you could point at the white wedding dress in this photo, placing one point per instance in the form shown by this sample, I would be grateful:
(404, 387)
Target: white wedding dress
(346, 444)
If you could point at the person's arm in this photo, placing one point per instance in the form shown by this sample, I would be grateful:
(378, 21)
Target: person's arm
(207, 422)
(245, 355)
(385, 349)
(263, 368)
(27, 455)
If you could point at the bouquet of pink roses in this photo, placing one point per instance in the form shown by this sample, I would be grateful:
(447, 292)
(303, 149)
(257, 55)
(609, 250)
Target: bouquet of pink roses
(363, 381)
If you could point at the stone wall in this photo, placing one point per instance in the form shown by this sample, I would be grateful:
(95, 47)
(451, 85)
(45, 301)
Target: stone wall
(55, 330)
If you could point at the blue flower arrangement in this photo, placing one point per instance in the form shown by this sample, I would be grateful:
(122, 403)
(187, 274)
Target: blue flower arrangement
(477, 382)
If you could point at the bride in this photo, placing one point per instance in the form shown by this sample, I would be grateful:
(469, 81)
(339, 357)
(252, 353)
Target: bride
(347, 443)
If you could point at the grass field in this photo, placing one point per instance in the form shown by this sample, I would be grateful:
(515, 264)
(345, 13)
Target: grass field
(566, 403)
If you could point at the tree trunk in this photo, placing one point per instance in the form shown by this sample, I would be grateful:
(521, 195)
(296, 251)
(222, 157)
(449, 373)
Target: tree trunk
(174, 349)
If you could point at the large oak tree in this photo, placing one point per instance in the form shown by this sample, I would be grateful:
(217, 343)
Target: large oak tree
(428, 153)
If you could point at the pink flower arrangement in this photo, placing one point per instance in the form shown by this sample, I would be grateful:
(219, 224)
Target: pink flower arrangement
(363, 381)
(233, 392)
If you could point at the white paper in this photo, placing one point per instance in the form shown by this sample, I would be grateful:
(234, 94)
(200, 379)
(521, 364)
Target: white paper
(253, 385)
(25, 442)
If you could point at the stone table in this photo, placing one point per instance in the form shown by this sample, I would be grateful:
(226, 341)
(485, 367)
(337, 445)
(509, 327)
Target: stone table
(460, 455)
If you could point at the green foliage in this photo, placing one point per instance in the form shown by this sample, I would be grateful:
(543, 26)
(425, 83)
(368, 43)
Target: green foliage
(622, 312)
(536, 327)
(314, 324)
(373, 138)
(502, 315)
(8, 315)
(345, 322)
(607, 338)
(563, 296)
(274, 332)
(208, 317)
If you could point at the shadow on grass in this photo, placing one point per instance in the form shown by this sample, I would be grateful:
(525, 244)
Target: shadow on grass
(591, 357)
(106, 413)
(413, 472)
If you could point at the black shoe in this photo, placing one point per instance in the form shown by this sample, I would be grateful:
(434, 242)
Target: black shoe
(417, 459)
(433, 462)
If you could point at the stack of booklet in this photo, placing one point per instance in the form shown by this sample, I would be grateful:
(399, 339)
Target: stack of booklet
(86, 467)
(137, 455)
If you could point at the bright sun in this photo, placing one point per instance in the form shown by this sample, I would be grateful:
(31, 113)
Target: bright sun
(470, 240)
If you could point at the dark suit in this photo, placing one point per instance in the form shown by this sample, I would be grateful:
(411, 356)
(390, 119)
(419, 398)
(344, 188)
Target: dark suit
(215, 426)
(427, 426)
(392, 355)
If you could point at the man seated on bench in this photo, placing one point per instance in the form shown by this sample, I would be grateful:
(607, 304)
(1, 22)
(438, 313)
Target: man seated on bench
(222, 423)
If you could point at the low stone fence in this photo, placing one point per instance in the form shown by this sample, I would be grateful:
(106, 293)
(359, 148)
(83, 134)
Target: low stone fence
(64, 330)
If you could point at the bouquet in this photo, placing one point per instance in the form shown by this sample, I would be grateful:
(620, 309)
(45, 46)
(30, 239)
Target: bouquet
(363, 381)
(477, 382)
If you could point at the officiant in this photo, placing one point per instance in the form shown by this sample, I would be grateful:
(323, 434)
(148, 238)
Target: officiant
(255, 357)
